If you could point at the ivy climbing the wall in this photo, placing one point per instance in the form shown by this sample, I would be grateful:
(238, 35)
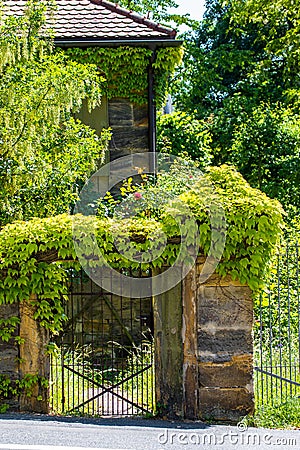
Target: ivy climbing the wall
(14, 388)
(35, 254)
(125, 69)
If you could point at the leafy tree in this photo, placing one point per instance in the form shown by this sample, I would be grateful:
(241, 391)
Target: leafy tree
(238, 76)
(41, 165)
(278, 28)
(221, 61)
(266, 148)
(180, 132)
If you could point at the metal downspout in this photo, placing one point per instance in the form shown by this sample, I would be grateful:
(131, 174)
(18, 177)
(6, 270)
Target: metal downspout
(152, 114)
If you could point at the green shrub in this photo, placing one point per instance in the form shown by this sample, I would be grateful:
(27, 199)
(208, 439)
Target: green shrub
(285, 415)
(180, 132)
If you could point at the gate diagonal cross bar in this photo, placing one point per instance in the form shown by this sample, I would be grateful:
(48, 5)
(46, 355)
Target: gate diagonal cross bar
(109, 389)
(276, 376)
(105, 360)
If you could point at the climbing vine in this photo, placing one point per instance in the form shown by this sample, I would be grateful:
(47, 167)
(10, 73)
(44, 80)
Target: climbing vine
(12, 388)
(35, 255)
(125, 69)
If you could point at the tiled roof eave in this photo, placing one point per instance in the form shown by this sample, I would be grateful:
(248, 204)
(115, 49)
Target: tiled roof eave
(108, 42)
(98, 21)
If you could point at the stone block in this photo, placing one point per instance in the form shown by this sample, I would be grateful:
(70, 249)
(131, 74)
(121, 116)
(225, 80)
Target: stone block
(8, 350)
(215, 279)
(140, 114)
(209, 357)
(229, 306)
(234, 373)
(8, 359)
(116, 153)
(120, 113)
(7, 311)
(225, 404)
(129, 138)
(232, 341)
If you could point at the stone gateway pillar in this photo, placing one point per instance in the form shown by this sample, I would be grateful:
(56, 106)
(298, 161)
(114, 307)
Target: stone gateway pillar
(34, 360)
(211, 377)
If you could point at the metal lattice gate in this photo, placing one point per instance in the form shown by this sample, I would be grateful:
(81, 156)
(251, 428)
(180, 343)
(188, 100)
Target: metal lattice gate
(277, 332)
(103, 365)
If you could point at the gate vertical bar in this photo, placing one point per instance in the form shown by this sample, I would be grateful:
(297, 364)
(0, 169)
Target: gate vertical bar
(279, 322)
(289, 319)
(278, 337)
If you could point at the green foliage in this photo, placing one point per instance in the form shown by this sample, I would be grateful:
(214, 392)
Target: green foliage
(8, 327)
(241, 76)
(25, 274)
(285, 415)
(166, 61)
(147, 196)
(41, 165)
(35, 255)
(217, 62)
(231, 52)
(28, 250)
(153, 9)
(125, 69)
(48, 182)
(266, 148)
(157, 10)
(45, 156)
(13, 388)
(7, 390)
(253, 223)
(278, 28)
(180, 132)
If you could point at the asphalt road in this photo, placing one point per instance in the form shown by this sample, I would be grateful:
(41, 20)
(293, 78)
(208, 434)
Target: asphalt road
(24, 432)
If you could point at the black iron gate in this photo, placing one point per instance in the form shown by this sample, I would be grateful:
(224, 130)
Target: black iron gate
(277, 332)
(103, 364)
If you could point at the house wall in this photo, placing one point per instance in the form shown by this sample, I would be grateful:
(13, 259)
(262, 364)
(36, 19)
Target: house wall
(97, 118)
(130, 135)
(128, 122)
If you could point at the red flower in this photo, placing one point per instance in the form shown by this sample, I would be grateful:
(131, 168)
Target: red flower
(137, 195)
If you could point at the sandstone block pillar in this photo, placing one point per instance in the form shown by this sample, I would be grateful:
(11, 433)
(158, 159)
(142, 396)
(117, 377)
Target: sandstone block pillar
(204, 349)
(225, 348)
(33, 359)
(167, 311)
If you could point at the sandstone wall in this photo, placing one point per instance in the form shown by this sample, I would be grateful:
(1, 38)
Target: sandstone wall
(129, 124)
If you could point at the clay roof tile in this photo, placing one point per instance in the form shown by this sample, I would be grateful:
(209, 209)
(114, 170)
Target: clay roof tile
(97, 19)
